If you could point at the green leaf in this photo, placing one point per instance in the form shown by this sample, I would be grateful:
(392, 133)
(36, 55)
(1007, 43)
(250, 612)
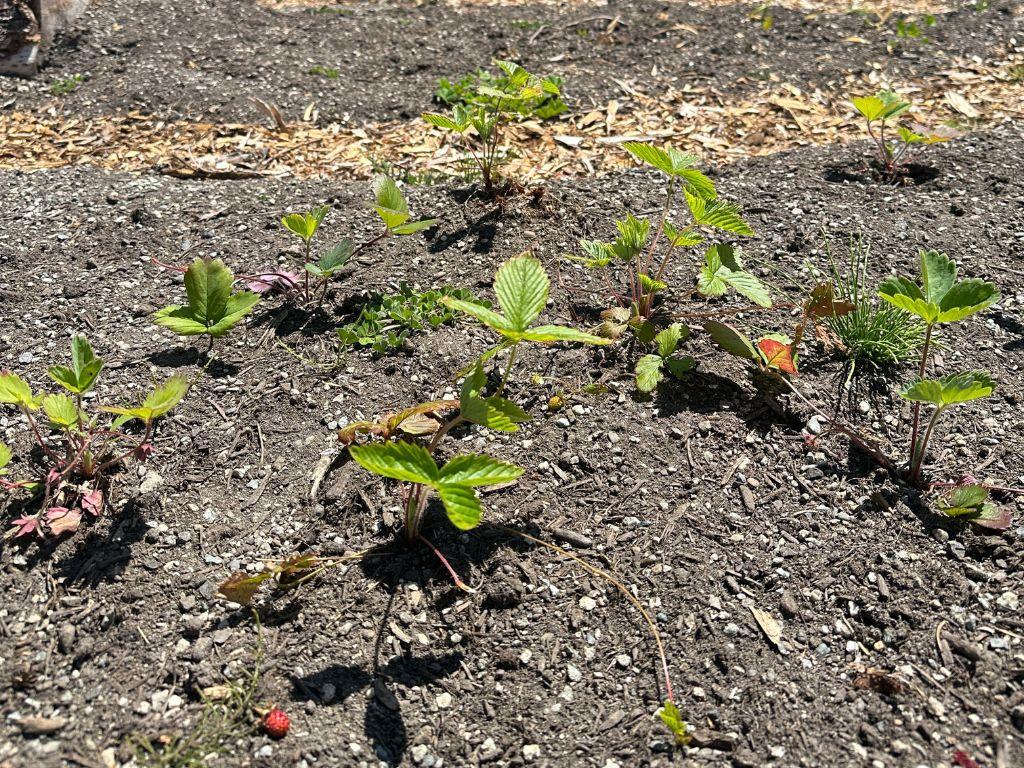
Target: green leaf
(650, 285)
(723, 268)
(682, 238)
(648, 372)
(950, 390)
(488, 317)
(398, 461)
(212, 307)
(16, 391)
(521, 286)
(158, 402)
(545, 334)
(731, 340)
(966, 298)
(495, 413)
(717, 213)
(966, 496)
(673, 720)
(461, 505)
(711, 280)
(333, 260)
(698, 183)
(669, 161)
(391, 205)
(600, 254)
(669, 338)
(938, 273)
(61, 411)
(85, 367)
(412, 227)
(473, 469)
(445, 123)
(632, 237)
(871, 107)
(678, 366)
(305, 225)
(5, 457)
(971, 502)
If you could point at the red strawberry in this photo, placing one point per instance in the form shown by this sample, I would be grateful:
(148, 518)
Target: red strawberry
(276, 723)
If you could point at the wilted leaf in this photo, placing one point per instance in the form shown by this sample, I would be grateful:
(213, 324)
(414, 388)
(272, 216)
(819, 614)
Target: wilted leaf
(777, 354)
(240, 586)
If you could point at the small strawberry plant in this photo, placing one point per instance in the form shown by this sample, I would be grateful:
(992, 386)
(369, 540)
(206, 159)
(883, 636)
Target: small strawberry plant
(651, 369)
(940, 299)
(79, 448)
(970, 501)
(482, 111)
(521, 286)
(392, 209)
(893, 151)
(213, 307)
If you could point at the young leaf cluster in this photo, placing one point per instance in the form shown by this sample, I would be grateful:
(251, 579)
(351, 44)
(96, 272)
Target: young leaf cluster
(893, 151)
(213, 308)
(79, 446)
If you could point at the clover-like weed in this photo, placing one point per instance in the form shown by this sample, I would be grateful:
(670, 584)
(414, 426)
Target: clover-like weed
(79, 447)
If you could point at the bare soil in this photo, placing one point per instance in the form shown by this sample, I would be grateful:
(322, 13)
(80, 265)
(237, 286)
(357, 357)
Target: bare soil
(902, 631)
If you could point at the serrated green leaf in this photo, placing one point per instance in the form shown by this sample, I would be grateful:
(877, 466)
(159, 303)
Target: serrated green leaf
(488, 317)
(445, 123)
(950, 390)
(16, 391)
(678, 366)
(179, 320)
(5, 457)
(651, 286)
(475, 469)
(305, 225)
(330, 262)
(494, 412)
(966, 298)
(550, 333)
(673, 720)
(967, 496)
(669, 338)
(730, 339)
(718, 214)
(648, 372)
(698, 183)
(239, 305)
(61, 411)
(461, 505)
(398, 461)
(157, 403)
(682, 238)
(870, 107)
(669, 161)
(938, 273)
(633, 233)
(521, 286)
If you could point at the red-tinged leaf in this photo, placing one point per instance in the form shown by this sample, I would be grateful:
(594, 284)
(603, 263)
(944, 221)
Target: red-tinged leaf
(993, 517)
(964, 760)
(240, 586)
(143, 452)
(280, 280)
(26, 525)
(777, 355)
(822, 303)
(92, 502)
(63, 520)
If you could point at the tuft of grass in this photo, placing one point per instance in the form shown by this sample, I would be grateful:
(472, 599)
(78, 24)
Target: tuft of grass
(66, 85)
(880, 335)
(227, 715)
(331, 73)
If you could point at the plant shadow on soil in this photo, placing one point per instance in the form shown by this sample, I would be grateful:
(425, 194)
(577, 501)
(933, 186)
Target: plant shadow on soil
(191, 357)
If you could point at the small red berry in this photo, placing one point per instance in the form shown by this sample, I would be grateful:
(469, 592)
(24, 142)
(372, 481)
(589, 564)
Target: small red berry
(276, 723)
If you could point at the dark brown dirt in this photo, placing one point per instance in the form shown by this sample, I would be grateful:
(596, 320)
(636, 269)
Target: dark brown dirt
(207, 59)
(705, 499)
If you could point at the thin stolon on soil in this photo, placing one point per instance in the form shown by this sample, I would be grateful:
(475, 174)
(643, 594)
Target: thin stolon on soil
(901, 635)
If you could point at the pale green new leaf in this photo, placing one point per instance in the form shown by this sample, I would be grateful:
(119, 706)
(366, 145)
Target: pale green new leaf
(870, 107)
(966, 298)
(305, 225)
(673, 720)
(61, 411)
(412, 227)
(521, 286)
(398, 461)
(85, 367)
(717, 213)
(239, 305)
(668, 339)
(16, 391)
(391, 205)
(158, 402)
(938, 274)
(648, 372)
(473, 469)
(461, 505)
(494, 412)
(5, 457)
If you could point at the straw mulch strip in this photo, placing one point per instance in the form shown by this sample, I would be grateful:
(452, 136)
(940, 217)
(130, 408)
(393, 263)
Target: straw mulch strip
(582, 143)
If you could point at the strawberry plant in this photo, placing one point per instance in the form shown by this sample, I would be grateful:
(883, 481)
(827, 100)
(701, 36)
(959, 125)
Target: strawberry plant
(521, 286)
(892, 151)
(213, 308)
(481, 115)
(79, 448)
(971, 501)
(940, 299)
(390, 206)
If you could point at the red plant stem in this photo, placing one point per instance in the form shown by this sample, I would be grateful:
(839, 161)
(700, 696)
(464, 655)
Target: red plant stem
(118, 459)
(39, 437)
(444, 561)
(860, 441)
(363, 246)
(172, 267)
(619, 586)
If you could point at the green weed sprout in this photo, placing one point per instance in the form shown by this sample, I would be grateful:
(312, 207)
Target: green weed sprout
(891, 152)
(213, 307)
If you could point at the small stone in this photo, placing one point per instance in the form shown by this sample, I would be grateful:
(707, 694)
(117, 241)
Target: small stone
(573, 674)
(936, 707)
(419, 752)
(150, 482)
(531, 752)
(66, 637)
(443, 700)
(588, 603)
(1008, 600)
(624, 660)
(488, 750)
